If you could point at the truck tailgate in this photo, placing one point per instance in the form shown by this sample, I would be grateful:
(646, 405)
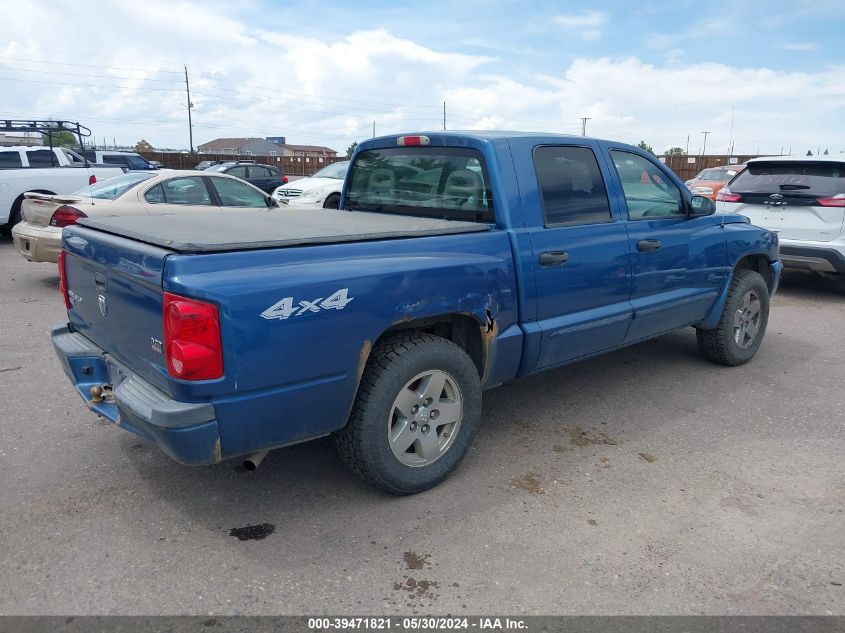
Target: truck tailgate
(115, 291)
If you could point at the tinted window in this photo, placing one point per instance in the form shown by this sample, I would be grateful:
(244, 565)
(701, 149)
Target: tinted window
(820, 178)
(648, 191)
(9, 160)
(155, 195)
(41, 158)
(237, 172)
(115, 159)
(571, 186)
(237, 194)
(136, 162)
(189, 190)
(439, 182)
(259, 172)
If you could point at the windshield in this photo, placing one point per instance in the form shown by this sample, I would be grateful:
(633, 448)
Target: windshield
(335, 170)
(111, 188)
(717, 174)
(821, 178)
(439, 182)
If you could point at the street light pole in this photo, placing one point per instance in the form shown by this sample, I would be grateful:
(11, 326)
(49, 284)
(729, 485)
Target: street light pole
(704, 148)
(190, 105)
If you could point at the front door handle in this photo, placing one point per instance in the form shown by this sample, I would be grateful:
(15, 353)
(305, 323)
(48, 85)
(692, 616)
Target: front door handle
(553, 258)
(648, 245)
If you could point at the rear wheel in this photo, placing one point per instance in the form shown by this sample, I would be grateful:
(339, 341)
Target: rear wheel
(417, 409)
(332, 201)
(14, 217)
(741, 328)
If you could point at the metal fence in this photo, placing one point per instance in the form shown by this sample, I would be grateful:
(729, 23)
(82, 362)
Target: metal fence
(290, 165)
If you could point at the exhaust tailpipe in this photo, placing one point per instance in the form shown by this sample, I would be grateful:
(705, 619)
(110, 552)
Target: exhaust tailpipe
(253, 461)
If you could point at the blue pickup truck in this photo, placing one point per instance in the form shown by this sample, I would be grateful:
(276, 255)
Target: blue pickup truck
(456, 262)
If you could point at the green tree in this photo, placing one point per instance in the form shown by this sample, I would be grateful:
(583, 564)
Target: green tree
(645, 146)
(62, 138)
(675, 151)
(351, 149)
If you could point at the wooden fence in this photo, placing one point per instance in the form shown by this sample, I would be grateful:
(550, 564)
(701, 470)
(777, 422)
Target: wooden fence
(290, 165)
(685, 166)
(688, 166)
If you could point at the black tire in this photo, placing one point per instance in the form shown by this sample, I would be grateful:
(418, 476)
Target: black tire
(720, 345)
(332, 202)
(364, 443)
(14, 217)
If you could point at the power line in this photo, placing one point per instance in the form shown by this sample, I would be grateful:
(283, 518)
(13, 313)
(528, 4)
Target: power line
(39, 61)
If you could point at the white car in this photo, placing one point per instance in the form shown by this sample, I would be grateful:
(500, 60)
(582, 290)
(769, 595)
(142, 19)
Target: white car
(320, 190)
(802, 198)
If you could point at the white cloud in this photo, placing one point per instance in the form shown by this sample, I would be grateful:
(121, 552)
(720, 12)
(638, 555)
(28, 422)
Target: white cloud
(576, 20)
(585, 24)
(329, 90)
(801, 46)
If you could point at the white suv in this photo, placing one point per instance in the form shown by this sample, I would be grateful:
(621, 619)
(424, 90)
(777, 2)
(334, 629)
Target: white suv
(800, 197)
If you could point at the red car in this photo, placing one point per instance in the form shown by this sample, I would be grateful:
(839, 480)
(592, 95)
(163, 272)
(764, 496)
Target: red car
(708, 181)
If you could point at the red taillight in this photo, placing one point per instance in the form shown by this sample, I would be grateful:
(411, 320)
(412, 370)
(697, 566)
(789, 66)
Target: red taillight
(725, 195)
(192, 344)
(66, 215)
(63, 280)
(410, 141)
(836, 201)
(284, 180)
(92, 179)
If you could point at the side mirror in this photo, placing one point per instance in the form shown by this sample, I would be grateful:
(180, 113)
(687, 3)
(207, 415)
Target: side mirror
(272, 203)
(701, 206)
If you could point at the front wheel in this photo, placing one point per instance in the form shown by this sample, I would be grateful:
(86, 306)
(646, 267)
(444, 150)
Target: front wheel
(332, 202)
(417, 410)
(741, 328)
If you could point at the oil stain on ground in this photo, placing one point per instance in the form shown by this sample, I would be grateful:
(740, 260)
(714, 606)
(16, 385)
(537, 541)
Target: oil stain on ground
(414, 560)
(580, 437)
(253, 532)
(648, 457)
(530, 482)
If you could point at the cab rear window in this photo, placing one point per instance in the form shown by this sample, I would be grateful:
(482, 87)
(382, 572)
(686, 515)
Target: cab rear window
(815, 178)
(441, 182)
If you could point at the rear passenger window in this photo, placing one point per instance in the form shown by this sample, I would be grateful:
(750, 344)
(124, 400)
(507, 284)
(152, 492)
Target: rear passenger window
(259, 172)
(10, 160)
(41, 158)
(571, 186)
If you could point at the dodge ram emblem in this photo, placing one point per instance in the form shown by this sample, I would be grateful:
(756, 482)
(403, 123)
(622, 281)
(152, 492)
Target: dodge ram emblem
(101, 301)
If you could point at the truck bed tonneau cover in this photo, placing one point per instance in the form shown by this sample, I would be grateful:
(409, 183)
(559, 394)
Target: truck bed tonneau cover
(216, 232)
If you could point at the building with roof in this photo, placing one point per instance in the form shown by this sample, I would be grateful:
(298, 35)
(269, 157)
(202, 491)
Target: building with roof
(262, 147)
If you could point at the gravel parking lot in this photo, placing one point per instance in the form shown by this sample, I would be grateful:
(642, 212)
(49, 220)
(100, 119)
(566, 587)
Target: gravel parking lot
(645, 481)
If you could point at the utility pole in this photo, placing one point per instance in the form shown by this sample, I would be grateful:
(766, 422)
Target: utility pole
(444, 116)
(374, 129)
(190, 105)
(687, 144)
(704, 147)
(584, 120)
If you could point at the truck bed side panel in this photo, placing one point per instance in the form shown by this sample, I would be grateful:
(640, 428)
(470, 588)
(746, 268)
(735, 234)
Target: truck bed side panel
(293, 373)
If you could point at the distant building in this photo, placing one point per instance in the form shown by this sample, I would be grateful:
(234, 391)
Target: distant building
(20, 138)
(262, 147)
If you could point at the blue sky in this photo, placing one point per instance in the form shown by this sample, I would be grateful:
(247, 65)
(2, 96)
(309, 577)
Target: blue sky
(322, 72)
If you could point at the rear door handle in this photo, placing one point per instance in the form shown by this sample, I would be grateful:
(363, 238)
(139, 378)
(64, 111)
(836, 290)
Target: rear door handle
(648, 245)
(553, 258)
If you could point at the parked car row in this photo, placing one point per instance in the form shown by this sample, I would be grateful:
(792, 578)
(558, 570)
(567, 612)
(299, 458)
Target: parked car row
(38, 237)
